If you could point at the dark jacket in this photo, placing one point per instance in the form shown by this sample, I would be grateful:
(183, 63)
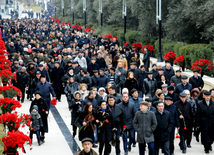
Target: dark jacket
(145, 124)
(101, 62)
(186, 111)
(131, 84)
(74, 107)
(102, 81)
(44, 72)
(94, 80)
(71, 88)
(45, 89)
(67, 77)
(117, 97)
(136, 102)
(180, 88)
(164, 127)
(205, 120)
(99, 99)
(43, 107)
(176, 80)
(146, 59)
(196, 82)
(36, 121)
(104, 132)
(129, 111)
(23, 79)
(142, 76)
(84, 79)
(93, 101)
(174, 97)
(57, 74)
(136, 72)
(173, 111)
(117, 114)
(118, 81)
(150, 86)
(169, 73)
(92, 67)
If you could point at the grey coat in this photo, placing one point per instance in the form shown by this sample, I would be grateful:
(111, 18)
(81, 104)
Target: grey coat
(145, 124)
(175, 79)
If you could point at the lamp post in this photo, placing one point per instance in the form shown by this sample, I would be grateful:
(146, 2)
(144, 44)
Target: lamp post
(84, 10)
(101, 12)
(72, 9)
(55, 12)
(124, 16)
(158, 21)
(62, 8)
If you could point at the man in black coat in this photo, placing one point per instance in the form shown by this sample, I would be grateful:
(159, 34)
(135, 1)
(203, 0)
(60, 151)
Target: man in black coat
(176, 79)
(117, 96)
(146, 58)
(150, 85)
(102, 79)
(173, 111)
(171, 93)
(163, 130)
(100, 60)
(196, 81)
(154, 70)
(142, 76)
(57, 74)
(129, 111)
(97, 96)
(135, 70)
(92, 66)
(205, 121)
(94, 78)
(183, 85)
(117, 114)
(83, 77)
(169, 72)
(23, 81)
(90, 98)
(185, 119)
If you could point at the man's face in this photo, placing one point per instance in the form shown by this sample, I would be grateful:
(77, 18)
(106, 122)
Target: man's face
(207, 97)
(164, 89)
(56, 65)
(125, 97)
(40, 68)
(150, 76)
(132, 66)
(168, 66)
(101, 73)
(184, 81)
(161, 97)
(43, 79)
(112, 91)
(135, 94)
(183, 99)
(160, 72)
(94, 90)
(23, 70)
(143, 107)
(154, 67)
(171, 91)
(93, 61)
(188, 95)
(38, 76)
(160, 107)
(168, 102)
(142, 69)
(111, 101)
(119, 64)
(178, 74)
(196, 74)
(87, 146)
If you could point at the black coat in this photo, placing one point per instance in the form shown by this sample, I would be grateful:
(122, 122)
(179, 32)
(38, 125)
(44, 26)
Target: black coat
(71, 88)
(131, 84)
(84, 79)
(176, 80)
(94, 81)
(88, 132)
(117, 97)
(173, 111)
(36, 121)
(117, 114)
(205, 120)
(101, 62)
(142, 76)
(146, 59)
(57, 74)
(180, 88)
(92, 67)
(186, 111)
(196, 83)
(104, 132)
(67, 77)
(169, 73)
(43, 107)
(164, 127)
(129, 111)
(102, 81)
(74, 107)
(136, 72)
(150, 86)
(23, 79)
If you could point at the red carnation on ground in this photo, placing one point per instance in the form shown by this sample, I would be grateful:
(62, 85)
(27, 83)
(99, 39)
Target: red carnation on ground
(53, 102)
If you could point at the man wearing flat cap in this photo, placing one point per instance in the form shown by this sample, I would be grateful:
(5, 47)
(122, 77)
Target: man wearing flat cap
(176, 79)
(183, 85)
(205, 120)
(184, 111)
(87, 147)
(196, 81)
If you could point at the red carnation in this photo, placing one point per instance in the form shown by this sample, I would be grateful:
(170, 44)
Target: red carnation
(126, 44)
(79, 28)
(169, 56)
(93, 118)
(107, 121)
(53, 44)
(185, 128)
(124, 126)
(92, 70)
(51, 18)
(43, 109)
(53, 102)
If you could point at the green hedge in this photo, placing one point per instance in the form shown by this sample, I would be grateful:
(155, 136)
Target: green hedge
(194, 52)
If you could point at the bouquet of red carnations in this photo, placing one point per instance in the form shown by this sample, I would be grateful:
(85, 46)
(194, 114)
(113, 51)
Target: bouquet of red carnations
(202, 65)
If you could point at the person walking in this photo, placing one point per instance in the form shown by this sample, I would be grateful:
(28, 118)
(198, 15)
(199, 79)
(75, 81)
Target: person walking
(145, 124)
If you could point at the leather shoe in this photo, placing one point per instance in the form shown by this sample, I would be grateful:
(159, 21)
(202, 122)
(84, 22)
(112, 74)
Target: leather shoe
(134, 145)
(207, 152)
(129, 148)
(189, 146)
(211, 148)
(94, 146)
(183, 151)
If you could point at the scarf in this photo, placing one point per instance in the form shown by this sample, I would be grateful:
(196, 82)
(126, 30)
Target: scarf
(104, 110)
(87, 118)
(120, 68)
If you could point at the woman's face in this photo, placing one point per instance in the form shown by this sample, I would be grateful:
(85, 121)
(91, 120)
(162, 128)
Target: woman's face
(101, 92)
(90, 108)
(163, 78)
(131, 76)
(135, 55)
(103, 105)
(38, 96)
(83, 88)
(77, 96)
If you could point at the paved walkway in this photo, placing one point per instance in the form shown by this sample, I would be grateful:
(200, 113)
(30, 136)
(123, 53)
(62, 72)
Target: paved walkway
(57, 140)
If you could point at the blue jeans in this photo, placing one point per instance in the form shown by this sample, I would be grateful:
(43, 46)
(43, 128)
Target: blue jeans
(117, 147)
(125, 137)
(95, 134)
(151, 148)
(37, 135)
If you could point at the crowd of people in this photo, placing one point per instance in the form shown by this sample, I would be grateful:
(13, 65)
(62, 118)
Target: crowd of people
(110, 91)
